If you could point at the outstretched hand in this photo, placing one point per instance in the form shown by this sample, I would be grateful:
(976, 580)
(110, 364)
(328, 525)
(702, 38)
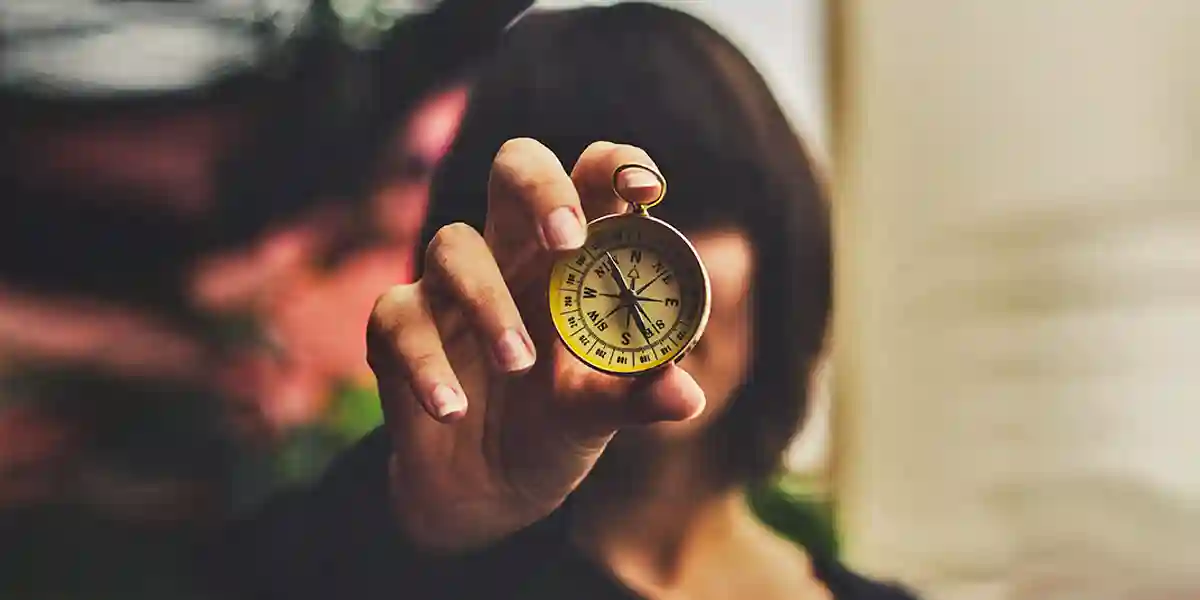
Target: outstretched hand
(493, 422)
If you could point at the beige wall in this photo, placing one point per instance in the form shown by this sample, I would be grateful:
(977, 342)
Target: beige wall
(1019, 296)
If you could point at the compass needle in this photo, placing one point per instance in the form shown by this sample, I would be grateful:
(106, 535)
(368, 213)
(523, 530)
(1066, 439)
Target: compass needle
(617, 275)
(612, 312)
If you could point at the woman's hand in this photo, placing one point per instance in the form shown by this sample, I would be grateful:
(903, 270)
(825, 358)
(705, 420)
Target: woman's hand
(493, 423)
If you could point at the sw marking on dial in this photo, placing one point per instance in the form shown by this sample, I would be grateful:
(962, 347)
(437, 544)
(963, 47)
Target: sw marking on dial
(632, 299)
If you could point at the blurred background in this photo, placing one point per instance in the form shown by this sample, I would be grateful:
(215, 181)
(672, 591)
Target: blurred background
(1009, 407)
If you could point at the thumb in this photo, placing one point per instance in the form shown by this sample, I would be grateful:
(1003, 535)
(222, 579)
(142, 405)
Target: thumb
(671, 394)
(607, 403)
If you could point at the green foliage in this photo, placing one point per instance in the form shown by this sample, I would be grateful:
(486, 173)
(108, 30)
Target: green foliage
(354, 412)
(799, 514)
(306, 452)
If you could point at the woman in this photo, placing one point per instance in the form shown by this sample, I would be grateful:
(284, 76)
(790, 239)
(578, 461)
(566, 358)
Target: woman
(664, 513)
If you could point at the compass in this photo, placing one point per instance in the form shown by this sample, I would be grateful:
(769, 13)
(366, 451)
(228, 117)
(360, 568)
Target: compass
(635, 297)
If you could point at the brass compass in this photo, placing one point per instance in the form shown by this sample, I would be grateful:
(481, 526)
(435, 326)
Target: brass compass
(635, 297)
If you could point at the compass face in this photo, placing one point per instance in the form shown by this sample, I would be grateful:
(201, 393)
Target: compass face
(634, 298)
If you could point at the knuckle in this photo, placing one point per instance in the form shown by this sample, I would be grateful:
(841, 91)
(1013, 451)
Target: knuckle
(385, 309)
(451, 236)
(519, 167)
(506, 166)
(598, 148)
(423, 359)
(449, 240)
(487, 296)
(387, 318)
(512, 149)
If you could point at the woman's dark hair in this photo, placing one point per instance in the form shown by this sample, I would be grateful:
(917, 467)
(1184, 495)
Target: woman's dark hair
(664, 81)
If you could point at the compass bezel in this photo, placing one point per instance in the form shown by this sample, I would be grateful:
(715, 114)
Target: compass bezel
(696, 331)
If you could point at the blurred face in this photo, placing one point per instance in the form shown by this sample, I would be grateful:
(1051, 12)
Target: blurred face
(721, 361)
(400, 201)
(316, 314)
(165, 164)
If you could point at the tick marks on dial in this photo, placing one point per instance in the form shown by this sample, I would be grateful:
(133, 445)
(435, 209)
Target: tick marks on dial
(629, 296)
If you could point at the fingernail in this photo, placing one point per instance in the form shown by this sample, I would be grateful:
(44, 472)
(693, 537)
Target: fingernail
(446, 401)
(563, 230)
(513, 351)
(638, 179)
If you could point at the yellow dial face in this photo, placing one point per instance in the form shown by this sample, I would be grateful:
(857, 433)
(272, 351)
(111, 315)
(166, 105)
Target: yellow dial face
(634, 298)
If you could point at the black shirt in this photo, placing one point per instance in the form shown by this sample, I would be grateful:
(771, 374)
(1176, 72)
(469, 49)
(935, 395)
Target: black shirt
(336, 540)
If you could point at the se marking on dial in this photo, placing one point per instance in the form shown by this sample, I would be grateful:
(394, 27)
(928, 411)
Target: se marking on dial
(632, 299)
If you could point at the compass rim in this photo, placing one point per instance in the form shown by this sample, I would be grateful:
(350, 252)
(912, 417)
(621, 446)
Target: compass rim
(697, 331)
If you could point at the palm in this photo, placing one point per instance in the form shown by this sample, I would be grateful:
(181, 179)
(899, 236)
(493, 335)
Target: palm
(508, 449)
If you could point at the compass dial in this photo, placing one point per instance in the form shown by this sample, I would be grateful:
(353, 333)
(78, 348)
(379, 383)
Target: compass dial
(635, 297)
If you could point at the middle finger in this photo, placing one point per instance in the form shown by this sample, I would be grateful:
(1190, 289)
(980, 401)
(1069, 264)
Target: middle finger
(531, 195)
(459, 263)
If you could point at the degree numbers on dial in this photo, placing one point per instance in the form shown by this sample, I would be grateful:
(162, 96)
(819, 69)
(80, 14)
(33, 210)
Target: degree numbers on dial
(631, 299)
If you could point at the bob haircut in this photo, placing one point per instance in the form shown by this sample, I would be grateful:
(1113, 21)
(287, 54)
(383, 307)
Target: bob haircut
(662, 80)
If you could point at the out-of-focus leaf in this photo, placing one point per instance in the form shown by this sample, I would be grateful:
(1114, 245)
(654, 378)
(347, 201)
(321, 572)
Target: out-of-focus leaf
(354, 412)
(802, 516)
